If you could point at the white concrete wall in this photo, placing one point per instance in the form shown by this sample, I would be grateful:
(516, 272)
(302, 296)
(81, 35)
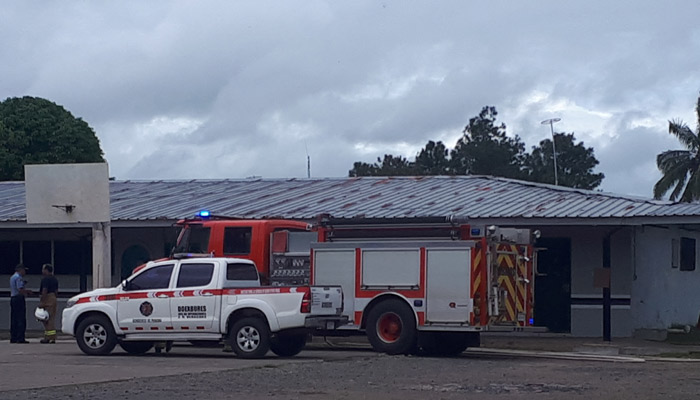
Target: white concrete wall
(662, 295)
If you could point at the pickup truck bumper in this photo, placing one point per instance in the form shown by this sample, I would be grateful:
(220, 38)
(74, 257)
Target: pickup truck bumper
(325, 321)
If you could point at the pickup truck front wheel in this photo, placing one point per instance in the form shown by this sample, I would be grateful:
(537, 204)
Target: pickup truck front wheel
(95, 336)
(288, 345)
(250, 338)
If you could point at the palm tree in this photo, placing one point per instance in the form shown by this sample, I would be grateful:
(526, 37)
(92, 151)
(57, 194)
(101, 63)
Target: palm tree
(677, 165)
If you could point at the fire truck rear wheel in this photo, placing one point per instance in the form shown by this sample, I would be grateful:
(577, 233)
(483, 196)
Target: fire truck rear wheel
(250, 337)
(95, 335)
(136, 348)
(444, 344)
(288, 345)
(391, 327)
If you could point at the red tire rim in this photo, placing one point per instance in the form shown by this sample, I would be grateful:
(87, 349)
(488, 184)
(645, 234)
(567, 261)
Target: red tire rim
(389, 327)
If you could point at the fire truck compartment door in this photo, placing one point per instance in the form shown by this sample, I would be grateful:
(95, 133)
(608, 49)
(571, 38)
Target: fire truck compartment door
(448, 284)
(337, 267)
(390, 268)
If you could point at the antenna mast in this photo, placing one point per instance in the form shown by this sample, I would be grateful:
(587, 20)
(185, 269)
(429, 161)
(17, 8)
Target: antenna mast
(308, 161)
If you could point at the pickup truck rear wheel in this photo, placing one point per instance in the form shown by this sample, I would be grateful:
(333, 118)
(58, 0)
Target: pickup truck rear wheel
(250, 337)
(95, 335)
(288, 345)
(391, 327)
(136, 348)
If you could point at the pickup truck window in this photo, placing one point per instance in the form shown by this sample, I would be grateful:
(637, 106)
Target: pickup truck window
(237, 240)
(152, 278)
(192, 275)
(241, 272)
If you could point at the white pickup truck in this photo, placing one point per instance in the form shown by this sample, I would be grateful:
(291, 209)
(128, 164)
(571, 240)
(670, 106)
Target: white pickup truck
(201, 300)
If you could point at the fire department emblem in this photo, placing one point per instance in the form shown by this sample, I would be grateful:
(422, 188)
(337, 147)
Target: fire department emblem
(146, 308)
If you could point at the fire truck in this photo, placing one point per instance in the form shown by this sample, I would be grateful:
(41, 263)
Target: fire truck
(418, 287)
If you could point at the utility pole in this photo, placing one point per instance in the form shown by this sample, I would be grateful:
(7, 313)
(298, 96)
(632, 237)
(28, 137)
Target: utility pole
(308, 161)
(551, 122)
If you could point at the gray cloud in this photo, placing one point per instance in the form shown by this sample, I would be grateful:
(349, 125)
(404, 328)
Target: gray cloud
(233, 89)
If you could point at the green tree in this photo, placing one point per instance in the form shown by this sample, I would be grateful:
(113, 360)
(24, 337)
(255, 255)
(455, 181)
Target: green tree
(681, 166)
(389, 166)
(433, 159)
(37, 131)
(575, 163)
(485, 149)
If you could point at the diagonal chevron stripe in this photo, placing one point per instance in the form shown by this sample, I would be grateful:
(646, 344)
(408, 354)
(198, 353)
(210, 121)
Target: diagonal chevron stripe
(511, 312)
(507, 282)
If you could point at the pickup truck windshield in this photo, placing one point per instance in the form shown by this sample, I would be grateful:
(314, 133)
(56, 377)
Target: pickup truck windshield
(193, 239)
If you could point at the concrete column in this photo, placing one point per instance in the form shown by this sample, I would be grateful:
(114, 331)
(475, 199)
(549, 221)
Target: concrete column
(101, 255)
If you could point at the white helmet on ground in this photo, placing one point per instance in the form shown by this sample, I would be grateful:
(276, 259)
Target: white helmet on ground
(41, 314)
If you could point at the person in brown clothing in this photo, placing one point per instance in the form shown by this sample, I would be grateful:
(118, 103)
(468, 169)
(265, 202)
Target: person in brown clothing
(49, 291)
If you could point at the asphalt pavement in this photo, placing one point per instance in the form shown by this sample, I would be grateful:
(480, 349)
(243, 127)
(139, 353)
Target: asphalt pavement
(352, 372)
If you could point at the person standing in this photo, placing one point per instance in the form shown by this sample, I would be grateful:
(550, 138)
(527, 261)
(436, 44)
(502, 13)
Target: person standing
(48, 291)
(18, 305)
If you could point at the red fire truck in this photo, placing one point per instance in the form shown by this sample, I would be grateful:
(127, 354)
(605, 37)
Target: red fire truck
(429, 287)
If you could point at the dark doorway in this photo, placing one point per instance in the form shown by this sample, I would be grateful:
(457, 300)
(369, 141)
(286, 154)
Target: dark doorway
(132, 258)
(553, 284)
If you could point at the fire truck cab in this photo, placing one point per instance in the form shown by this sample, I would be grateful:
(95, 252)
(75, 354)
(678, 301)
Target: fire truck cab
(225, 237)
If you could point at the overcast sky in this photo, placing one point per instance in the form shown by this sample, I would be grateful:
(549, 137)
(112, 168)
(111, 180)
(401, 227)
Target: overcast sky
(228, 89)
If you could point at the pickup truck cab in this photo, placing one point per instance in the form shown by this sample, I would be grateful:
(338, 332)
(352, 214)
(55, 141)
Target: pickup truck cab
(201, 299)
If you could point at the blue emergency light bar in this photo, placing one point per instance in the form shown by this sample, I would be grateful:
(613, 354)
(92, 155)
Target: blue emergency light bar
(203, 214)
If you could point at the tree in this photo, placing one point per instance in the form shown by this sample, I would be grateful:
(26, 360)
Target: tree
(485, 149)
(389, 166)
(433, 159)
(575, 163)
(37, 131)
(681, 166)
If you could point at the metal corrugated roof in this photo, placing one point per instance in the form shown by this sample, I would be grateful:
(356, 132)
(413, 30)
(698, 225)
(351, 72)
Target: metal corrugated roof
(367, 197)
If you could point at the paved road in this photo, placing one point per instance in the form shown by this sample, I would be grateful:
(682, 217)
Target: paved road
(26, 366)
(322, 374)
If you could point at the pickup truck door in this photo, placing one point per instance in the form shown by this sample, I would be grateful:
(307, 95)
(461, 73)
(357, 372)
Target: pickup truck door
(195, 302)
(144, 305)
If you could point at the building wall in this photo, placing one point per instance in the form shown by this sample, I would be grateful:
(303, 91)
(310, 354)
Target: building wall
(586, 299)
(663, 295)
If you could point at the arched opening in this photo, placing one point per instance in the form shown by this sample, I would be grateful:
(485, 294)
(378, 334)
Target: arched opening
(132, 257)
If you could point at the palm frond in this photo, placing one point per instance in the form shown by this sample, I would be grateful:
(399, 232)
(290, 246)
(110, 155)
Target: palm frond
(697, 112)
(674, 174)
(669, 159)
(668, 180)
(692, 189)
(679, 188)
(684, 134)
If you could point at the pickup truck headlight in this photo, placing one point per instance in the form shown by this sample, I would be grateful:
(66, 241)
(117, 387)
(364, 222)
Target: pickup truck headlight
(70, 303)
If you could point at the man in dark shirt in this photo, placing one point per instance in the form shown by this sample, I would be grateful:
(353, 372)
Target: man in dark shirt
(49, 290)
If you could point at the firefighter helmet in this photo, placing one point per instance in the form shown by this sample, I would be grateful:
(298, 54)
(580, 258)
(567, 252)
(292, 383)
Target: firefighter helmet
(41, 314)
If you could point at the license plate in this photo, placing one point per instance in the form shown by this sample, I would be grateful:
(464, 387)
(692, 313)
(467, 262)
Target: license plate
(326, 304)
